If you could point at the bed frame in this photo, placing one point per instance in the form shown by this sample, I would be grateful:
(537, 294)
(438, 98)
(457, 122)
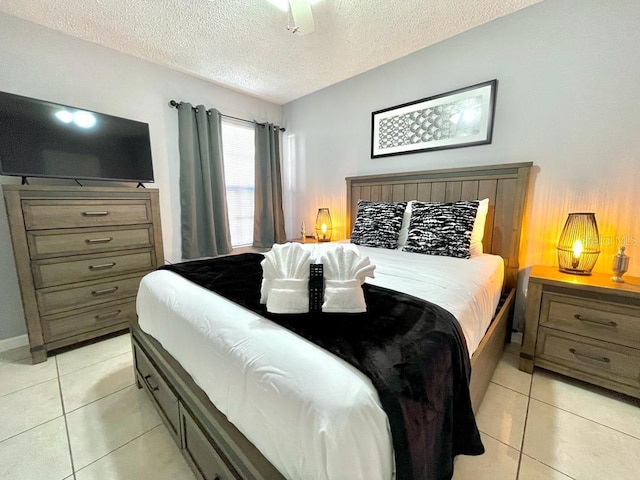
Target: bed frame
(213, 447)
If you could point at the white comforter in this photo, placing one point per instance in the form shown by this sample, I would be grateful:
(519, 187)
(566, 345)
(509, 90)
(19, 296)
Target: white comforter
(312, 415)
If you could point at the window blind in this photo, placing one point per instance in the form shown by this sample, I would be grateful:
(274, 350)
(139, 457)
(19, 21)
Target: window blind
(238, 146)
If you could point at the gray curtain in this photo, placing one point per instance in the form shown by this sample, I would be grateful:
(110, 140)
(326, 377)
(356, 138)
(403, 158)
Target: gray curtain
(203, 198)
(268, 214)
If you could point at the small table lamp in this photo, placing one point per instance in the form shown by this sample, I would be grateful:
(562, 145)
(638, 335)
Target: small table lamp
(579, 244)
(324, 226)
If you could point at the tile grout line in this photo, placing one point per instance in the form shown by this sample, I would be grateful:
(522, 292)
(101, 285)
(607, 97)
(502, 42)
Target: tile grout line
(499, 441)
(118, 448)
(98, 399)
(29, 429)
(524, 428)
(94, 364)
(552, 468)
(509, 388)
(25, 388)
(586, 418)
(66, 423)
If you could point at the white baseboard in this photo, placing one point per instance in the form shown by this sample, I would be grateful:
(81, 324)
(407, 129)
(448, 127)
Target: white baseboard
(14, 342)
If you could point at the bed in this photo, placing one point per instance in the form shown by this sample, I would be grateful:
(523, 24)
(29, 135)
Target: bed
(213, 445)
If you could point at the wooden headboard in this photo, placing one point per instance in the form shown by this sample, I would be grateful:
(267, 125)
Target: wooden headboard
(504, 185)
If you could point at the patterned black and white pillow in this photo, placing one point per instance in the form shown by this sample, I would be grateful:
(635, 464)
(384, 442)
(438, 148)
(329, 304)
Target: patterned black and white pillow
(441, 228)
(378, 224)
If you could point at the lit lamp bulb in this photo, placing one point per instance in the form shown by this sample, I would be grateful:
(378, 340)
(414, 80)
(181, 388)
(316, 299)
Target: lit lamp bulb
(324, 225)
(577, 251)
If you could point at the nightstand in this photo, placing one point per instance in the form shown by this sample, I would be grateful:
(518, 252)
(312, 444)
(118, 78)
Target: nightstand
(585, 327)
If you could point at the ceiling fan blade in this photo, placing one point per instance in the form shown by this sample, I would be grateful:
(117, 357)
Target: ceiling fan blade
(302, 16)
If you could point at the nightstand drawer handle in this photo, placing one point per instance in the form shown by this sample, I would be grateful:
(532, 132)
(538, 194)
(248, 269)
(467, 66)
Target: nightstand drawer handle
(604, 323)
(94, 214)
(102, 266)
(597, 359)
(99, 240)
(147, 379)
(104, 291)
(106, 316)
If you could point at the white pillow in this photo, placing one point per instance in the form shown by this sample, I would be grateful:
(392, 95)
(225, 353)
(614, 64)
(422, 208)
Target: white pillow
(475, 248)
(477, 234)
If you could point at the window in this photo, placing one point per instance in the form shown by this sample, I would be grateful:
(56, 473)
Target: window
(239, 169)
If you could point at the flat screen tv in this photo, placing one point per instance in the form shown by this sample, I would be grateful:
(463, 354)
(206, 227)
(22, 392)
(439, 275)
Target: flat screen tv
(45, 139)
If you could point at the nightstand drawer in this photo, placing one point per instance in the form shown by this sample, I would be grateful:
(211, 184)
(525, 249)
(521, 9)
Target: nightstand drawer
(47, 214)
(52, 272)
(51, 243)
(611, 322)
(600, 359)
(59, 299)
(58, 327)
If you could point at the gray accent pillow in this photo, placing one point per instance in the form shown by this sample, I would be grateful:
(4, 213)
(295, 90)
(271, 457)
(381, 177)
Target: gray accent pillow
(441, 228)
(378, 224)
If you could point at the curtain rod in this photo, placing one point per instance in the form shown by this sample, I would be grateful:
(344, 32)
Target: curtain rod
(175, 104)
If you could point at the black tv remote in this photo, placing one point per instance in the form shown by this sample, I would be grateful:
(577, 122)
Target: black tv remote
(316, 287)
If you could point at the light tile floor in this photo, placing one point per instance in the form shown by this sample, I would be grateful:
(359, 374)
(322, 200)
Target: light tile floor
(80, 416)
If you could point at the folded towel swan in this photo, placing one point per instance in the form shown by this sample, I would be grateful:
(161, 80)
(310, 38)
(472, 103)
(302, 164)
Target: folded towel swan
(286, 279)
(345, 272)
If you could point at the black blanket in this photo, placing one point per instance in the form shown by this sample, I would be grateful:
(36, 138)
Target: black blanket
(412, 350)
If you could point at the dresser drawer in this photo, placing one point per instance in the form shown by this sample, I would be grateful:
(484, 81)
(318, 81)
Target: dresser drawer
(609, 321)
(57, 327)
(600, 359)
(152, 381)
(52, 272)
(201, 452)
(48, 214)
(59, 299)
(51, 243)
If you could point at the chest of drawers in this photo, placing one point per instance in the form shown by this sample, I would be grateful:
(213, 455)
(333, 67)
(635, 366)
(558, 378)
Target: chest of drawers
(584, 327)
(80, 253)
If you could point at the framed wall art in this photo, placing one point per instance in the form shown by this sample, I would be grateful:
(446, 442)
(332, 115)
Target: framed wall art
(460, 118)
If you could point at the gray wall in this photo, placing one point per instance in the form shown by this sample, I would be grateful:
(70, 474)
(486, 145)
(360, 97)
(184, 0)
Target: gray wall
(568, 100)
(42, 63)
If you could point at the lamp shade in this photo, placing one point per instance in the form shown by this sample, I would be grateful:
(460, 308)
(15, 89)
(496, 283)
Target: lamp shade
(324, 226)
(579, 244)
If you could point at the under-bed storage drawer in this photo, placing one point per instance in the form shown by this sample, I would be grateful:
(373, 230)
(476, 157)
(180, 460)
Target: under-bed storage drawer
(201, 453)
(152, 381)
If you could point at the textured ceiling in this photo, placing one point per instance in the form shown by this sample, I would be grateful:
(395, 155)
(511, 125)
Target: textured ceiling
(245, 45)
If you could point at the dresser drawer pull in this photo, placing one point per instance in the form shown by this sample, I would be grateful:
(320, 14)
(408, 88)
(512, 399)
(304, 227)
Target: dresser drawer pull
(106, 316)
(597, 359)
(147, 380)
(95, 214)
(602, 323)
(104, 291)
(102, 266)
(99, 240)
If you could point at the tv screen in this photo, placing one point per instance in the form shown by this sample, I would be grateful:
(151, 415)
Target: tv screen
(44, 139)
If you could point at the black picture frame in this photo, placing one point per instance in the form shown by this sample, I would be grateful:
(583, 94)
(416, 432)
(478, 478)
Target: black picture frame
(455, 119)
